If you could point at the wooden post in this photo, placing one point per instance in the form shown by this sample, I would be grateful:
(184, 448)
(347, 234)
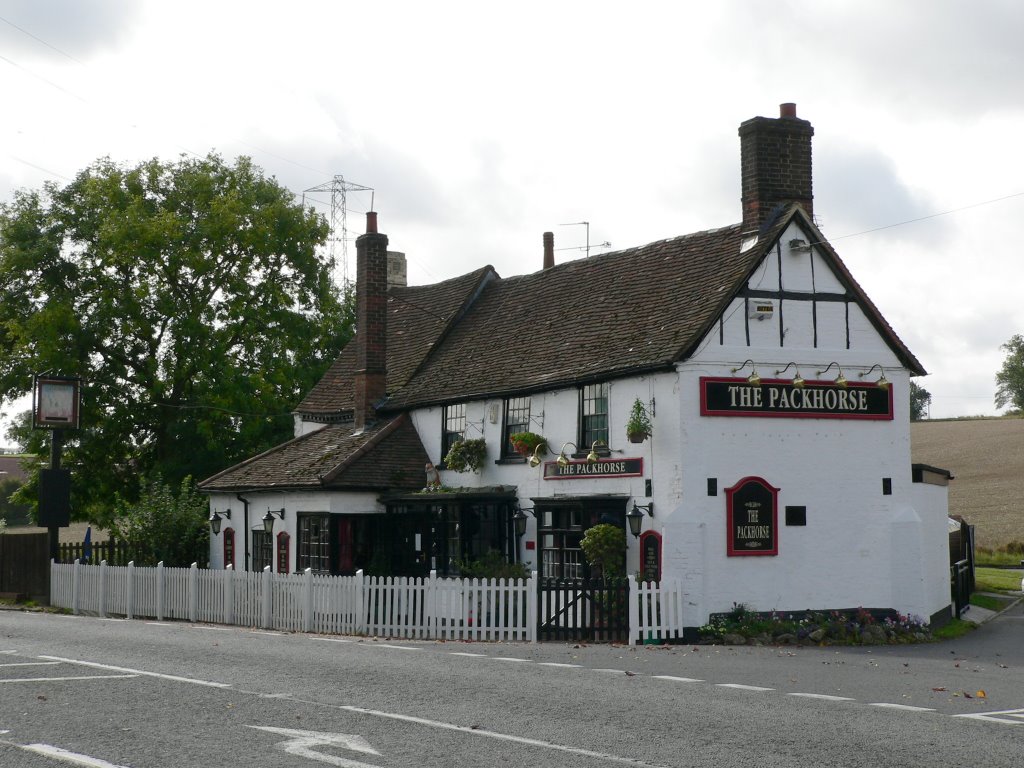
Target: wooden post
(193, 593)
(633, 603)
(160, 589)
(229, 594)
(267, 617)
(74, 589)
(103, 589)
(307, 601)
(130, 612)
(359, 625)
(531, 607)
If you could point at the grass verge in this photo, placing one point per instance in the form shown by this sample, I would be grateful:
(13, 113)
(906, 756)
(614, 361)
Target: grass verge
(996, 580)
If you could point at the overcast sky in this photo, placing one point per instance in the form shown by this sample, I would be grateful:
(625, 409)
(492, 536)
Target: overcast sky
(480, 126)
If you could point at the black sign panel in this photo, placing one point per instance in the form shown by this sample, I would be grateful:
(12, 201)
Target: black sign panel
(54, 498)
(779, 398)
(753, 518)
(576, 470)
(650, 556)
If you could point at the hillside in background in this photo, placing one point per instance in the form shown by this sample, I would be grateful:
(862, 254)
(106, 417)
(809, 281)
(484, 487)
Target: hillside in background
(986, 457)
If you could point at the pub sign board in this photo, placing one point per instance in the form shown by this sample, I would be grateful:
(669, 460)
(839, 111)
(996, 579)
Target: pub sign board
(778, 398)
(55, 402)
(752, 518)
(577, 470)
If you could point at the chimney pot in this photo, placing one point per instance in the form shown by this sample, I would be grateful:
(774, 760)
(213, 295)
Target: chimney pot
(787, 110)
(549, 250)
(371, 222)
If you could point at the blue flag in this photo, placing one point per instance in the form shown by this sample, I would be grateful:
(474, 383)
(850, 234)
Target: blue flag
(87, 546)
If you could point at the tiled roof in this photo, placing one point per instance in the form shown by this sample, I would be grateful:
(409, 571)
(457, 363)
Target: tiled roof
(388, 457)
(603, 316)
(610, 315)
(418, 316)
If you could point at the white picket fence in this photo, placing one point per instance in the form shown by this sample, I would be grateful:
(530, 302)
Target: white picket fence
(429, 608)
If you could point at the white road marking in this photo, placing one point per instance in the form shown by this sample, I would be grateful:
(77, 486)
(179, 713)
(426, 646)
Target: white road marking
(1017, 716)
(212, 629)
(66, 756)
(740, 687)
(272, 634)
(822, 696)
(904, 707)
(474, 655)
(556, 664)
(174, 678)
(118, 621)
(302, 743)
(8, 652)
(678, 679)
(332, 639)
(501, 737)
(158, 624)
(32, 664)
(396, 647)
(613, 671)
(63, 679)
(511, 658)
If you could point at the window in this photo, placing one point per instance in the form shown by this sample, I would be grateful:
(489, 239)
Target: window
(454, 427)
(517, 419)
(314, 543)
(593, 416)
(262, 550)
(560, 533)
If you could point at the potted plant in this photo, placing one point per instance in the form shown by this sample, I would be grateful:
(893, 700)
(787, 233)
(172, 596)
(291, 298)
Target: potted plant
(638, 428)
(525, 443)
(466, 455)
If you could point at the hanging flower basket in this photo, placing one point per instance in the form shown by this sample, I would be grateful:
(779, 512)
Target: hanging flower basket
(466, 455)
(638, 428)
(525, 443)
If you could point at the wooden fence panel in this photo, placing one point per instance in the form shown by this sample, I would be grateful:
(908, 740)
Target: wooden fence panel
(25, 564)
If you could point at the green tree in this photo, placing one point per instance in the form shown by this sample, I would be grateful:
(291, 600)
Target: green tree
(11, 511)
(164, 527)
(190, 298)
(920, 400)
(604, 546)
(1010, 378)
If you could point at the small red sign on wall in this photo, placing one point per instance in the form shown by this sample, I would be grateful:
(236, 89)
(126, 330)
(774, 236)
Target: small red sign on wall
(229, 547)
(283, 547)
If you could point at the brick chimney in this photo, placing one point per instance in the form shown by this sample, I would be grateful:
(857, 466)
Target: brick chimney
(549, 250)
(775, 159)
(371, 321)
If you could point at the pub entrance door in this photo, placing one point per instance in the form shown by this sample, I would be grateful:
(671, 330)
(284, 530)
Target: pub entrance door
(575, 605)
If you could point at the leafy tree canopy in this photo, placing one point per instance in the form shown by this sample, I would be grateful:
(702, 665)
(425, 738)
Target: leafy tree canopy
(1010, 378)
(920, 400)
(163, 526)
(190, 298)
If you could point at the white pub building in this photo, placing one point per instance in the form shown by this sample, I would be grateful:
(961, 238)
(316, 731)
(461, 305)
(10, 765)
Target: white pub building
(776, 471)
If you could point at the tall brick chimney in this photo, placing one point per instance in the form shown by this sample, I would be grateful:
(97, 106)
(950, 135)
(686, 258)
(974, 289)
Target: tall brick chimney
(775, 158)
(371, 321)
(549, 250)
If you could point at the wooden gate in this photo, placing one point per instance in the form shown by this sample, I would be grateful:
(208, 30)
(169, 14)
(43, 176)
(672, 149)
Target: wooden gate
(583, 610)
(25, 565)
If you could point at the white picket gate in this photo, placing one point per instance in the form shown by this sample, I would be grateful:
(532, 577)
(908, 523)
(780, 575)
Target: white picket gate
(429, 608)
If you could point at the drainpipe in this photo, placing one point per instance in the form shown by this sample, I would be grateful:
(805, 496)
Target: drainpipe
(245, 519)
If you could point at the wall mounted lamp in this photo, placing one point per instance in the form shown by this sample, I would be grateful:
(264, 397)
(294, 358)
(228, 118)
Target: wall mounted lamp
(635, 517)
(215, 519)
(754, 379)
(840, 379)
(268, 519)
(519, 518)
(798, 380)
(592, 457)
(535, 459)
(882, 383)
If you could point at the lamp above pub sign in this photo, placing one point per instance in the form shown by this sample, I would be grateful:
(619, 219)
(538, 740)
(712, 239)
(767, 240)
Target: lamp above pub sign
(55, 401)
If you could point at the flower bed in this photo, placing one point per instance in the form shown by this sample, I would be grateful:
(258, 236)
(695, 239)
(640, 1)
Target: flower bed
(742, 626)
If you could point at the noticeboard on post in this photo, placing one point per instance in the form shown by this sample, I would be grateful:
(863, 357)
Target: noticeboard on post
(55, 402)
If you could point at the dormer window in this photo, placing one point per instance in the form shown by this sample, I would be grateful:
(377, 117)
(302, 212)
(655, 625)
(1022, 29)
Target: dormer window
(593, 415)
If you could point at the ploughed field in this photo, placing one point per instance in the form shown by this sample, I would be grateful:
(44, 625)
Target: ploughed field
(986, 457)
